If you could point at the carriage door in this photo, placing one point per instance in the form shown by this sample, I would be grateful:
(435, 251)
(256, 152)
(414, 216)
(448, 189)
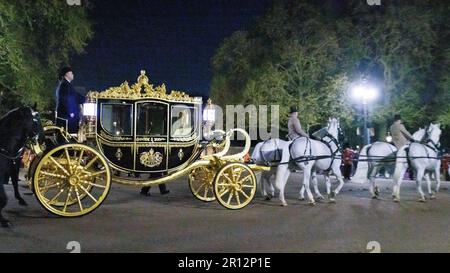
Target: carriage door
(151, 136)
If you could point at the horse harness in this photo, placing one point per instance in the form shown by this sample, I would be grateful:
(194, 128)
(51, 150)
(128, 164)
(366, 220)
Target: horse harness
(277, 153)
(310, 157)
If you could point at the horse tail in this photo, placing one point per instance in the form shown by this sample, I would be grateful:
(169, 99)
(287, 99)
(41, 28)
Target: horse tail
(363, 165)
(400, 163)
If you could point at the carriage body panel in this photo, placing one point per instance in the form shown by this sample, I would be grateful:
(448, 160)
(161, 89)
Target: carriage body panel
(142, 129)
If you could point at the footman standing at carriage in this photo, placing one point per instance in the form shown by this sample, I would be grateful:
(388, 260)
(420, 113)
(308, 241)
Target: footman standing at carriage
(294, 126)
(67, 102)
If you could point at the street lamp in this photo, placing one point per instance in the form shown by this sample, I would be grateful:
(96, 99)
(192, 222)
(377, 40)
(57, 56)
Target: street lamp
(389, 137)
(365, 93)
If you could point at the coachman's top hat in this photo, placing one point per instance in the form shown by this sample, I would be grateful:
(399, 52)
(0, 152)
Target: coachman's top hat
(64, 70)
(294, 109)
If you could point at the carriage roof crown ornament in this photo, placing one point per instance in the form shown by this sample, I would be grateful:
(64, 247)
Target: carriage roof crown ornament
(142, 89)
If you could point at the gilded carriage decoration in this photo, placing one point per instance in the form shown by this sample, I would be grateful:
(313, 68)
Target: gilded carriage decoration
(180, 154)
(139, 129)
(151, 159)
(119, 154)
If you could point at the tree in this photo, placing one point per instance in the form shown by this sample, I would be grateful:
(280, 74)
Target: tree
(287, 58)
(311, 52)
(36, 39)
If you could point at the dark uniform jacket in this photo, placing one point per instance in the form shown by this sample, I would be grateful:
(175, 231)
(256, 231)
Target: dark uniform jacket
(67, 102)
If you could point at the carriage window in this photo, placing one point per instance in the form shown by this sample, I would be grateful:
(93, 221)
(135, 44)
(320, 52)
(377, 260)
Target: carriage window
(116, 119)
(151, 119)
(183, 121)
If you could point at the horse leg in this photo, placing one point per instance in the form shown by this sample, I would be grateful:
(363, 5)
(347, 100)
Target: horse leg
(268, 188)
(260, 183)
(337, 173)
(419, 176)
(400, 171)
(427, 177)
(280, 182)
(316, 187)
(301, 196)
(328, 184)
(374, 191)
(15, 182)
(306, 179)
(437, 173)
(3, 201)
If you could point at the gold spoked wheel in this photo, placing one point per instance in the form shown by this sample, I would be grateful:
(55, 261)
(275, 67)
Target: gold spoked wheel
(201, 183)
(235, 185)
(72, 180)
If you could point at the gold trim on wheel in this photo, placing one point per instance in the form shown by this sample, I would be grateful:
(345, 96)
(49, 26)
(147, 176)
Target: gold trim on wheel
(201, 183)
(235, 185)
(72, 180)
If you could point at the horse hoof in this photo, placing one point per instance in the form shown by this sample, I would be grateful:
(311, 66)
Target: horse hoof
(283, 204)
(301, 198)
(320, 197)
(396, 200)
(22, 202)
(268, 198)
(331, 195)
(6, 224)
(374, 196)
(422, 200)
(377, 191)
(432, 196)
(312, 203)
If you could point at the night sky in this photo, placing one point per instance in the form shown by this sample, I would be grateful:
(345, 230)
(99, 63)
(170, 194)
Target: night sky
(173, 41)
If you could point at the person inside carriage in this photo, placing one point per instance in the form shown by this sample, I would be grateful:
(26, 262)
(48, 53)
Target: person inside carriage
(294, 126)
(68, 102)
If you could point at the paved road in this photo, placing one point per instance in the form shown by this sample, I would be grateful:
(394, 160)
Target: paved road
(129, 222)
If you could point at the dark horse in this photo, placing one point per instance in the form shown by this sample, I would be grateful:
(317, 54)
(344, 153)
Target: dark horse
(16, 127)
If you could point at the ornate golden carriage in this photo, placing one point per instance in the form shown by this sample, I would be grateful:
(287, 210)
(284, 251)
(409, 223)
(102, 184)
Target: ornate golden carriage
(139, 135)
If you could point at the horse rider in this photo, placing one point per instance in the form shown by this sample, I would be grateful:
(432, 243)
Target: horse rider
(67, 102)
(400, 136)
(294, 126)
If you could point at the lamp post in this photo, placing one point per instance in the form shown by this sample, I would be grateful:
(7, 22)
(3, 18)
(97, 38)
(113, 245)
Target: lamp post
(365, 93)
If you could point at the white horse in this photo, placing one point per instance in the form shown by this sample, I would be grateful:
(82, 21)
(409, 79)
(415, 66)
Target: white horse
(423, 158)
(310, 156)
(269, 153)
(376, 155)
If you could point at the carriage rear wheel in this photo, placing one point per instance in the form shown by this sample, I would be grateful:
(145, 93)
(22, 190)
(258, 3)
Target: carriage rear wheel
(201, 183)
(235, 185)
(72, 180)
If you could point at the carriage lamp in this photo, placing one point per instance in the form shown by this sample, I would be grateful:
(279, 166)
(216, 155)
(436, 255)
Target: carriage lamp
(389, 137)
(209, 113)
(209, 118)
(89, 109)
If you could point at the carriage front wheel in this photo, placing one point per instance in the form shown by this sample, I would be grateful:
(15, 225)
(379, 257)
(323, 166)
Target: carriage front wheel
(201, 183)
(235, 185)
(72, 180)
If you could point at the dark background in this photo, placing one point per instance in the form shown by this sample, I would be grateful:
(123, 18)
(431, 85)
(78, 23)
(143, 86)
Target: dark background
(173, 41)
